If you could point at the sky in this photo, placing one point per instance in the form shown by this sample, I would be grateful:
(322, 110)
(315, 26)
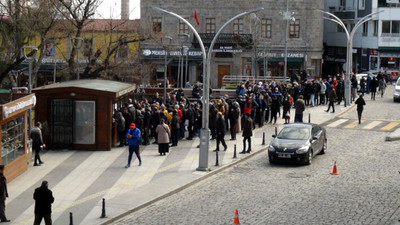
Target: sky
(112, 9)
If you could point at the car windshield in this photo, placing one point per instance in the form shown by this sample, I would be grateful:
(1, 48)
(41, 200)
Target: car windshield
(294, 133)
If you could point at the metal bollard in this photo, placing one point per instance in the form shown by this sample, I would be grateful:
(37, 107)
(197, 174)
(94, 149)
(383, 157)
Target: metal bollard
(276, 131)
(216, 159)
(234, 151)
(309, 118)
(103, 209)
(263, 140)
(71, 219)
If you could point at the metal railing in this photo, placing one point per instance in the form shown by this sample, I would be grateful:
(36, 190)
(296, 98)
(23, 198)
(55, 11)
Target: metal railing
(232, 81)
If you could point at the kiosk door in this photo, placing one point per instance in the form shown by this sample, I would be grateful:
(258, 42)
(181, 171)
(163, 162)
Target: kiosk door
(61, 123)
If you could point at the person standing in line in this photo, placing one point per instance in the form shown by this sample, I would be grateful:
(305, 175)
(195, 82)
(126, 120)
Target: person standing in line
(37, 143)
(221, 130)
(247, 133)
(299, 106)
(234, 117)
(134, 138)
(43, 199)
(175, 128)
(382, 86)
(332, 100)
(163, 133)
(121, 129)
(362, 85)
(3, 195)
(373, 86)
(360, 107)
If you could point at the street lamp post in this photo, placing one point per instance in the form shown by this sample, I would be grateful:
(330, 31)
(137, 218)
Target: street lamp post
(349, 55)
(185, 51)
(30, 58)
(166, 41)
(205, 131)
(287, 16)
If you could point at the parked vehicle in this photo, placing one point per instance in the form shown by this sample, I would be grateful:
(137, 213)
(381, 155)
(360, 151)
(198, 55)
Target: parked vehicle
(396, 92)
(298, 143)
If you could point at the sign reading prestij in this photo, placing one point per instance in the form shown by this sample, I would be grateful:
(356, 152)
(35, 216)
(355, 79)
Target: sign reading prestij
(18, 105)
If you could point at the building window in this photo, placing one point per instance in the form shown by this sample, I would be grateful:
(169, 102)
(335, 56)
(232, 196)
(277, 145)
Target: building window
(352, 25)
(375, 28)
(365, 29)
(266, 25)
(342, 5)
(12, 140)
(339, 28)
(294, 29)
(88, 47)
(210, 25)
(386, 27)
(361, 4)
(183, 28)
(396, 28)
(157, 24)
(238, 26)
(123, 50)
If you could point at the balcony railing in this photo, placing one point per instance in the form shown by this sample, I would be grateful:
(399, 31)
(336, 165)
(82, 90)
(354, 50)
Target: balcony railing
(243, 40)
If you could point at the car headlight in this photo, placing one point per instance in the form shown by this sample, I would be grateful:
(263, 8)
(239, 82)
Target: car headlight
(302, 150)
(271, 148)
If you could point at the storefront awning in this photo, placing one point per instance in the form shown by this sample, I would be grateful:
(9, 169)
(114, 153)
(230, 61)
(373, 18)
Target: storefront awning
(389, 49)
(275, 61)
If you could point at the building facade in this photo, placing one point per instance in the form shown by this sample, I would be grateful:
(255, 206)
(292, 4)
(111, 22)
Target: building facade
(376, 44)
(250, 46)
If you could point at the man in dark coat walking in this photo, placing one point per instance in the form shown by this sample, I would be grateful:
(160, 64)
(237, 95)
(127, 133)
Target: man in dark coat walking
(37, 142)
(360, 107)
(43, 200)
(247, 133)
(221, 130)
(3, 195)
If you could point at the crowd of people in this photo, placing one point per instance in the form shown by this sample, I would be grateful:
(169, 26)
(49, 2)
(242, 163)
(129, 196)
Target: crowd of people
(254, 103)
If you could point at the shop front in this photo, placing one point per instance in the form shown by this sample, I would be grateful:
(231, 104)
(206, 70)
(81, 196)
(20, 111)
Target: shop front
(14, 134)
(80, 113)
(272, 63)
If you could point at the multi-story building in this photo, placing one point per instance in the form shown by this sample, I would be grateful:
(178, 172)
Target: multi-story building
(376, 44)
(249, 46)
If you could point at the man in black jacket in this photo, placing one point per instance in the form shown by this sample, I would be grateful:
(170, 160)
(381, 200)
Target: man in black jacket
(43, 200)
(3, 195)
(37, 142)
(220, 129)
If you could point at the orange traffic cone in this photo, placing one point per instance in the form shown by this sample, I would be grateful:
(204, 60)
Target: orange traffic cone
(334, 170)
(236, 220)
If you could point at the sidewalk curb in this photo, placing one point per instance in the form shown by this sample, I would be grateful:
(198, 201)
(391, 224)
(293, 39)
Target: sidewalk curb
(345, 110)
(166, 195)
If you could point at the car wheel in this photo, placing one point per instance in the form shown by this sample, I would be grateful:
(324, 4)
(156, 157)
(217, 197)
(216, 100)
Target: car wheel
(310, 155)
(271, 161)
(324, 147)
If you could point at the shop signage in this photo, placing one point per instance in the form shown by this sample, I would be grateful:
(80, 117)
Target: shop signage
(161, 52)
(280, 55)
(373, 52)
(123, 92)
(388, 55)
(19, 104)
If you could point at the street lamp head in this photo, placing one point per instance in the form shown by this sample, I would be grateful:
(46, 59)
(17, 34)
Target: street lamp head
(31, 49)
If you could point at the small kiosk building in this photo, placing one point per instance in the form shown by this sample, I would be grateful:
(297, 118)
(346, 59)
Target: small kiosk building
(79, 114)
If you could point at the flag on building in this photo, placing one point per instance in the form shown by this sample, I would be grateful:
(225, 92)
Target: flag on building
(196, 17)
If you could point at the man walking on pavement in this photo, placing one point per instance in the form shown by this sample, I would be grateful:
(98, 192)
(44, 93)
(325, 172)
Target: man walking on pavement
(3, 195)
(332, 100)
(37, 142)
(43, 200)
(360, 107)
(220, 132)
(134, 138)
(247, 133)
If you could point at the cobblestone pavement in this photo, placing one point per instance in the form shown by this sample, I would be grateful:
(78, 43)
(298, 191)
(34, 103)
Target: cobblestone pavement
(365, 192)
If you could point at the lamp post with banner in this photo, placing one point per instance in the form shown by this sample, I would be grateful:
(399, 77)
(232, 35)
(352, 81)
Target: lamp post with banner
(77, 44)
(166, 42)
(29, 53)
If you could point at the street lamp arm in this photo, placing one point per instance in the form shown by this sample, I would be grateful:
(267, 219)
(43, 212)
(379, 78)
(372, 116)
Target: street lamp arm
(226, 24)
(363, 20)
(336, 20)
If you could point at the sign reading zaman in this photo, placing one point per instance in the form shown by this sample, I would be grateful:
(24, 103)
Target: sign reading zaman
(7, 110)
